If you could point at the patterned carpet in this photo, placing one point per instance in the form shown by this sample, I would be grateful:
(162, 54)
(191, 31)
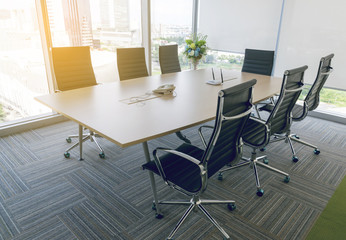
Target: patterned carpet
(45, 196)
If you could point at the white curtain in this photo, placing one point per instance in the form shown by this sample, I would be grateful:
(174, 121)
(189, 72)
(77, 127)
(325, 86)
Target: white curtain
(233, 25)
(310, 30)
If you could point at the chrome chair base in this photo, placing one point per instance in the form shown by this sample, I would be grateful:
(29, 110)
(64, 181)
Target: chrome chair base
(288, 137)
(194, 204)
(92, 136)
(254, 162)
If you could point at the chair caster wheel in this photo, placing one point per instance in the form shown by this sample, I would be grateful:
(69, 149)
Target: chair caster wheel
(220, 177)
(231, 206)
(262, 149)
(287, 179)
(153, 206)
(297, 137)
(158, 216)
(295, 159)
(66, 154)
(102, 155)
(69, 140)
(317, 151)
(260, 192)
(266, 161)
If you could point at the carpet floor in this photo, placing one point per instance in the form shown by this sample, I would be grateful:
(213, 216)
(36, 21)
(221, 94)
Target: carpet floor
(46, 196)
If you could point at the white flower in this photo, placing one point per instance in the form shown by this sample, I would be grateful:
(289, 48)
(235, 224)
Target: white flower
(191, 53)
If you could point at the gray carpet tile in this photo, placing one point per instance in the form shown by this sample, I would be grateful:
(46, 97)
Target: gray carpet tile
(52, 229)
(46, 196)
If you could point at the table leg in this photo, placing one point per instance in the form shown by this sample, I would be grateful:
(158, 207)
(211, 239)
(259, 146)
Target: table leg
(80, 137)
(152, 179)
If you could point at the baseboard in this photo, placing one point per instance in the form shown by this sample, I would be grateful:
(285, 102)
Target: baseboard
(8, 128)
(328, 116)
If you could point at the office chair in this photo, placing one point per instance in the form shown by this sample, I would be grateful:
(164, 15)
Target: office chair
(168, 57)
(169, 63)
(131, 63)
(311, 102)
(257, 132)
(73, 69)
(259, 62)
(187, 168)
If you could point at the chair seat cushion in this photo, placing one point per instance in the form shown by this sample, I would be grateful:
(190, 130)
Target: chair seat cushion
(178, 170)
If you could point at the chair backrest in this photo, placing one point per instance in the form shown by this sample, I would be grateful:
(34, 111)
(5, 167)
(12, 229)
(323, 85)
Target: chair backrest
(72, 67)
(131, 63)
(312, 99)
(168, 57)
(233, 110)
(280, 118)
(258, 61)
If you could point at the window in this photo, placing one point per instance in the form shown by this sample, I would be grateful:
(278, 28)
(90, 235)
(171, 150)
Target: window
(171, 23)
(332, 101)
(102, 24)
(22, 69)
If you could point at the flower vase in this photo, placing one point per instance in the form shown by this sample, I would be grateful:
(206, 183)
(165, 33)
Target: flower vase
(195, 63)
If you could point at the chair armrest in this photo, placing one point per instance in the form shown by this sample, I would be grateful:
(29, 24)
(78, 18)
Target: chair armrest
(299, 112)
(180, 154)
(259, 120)
(256, 133)
(201, 135)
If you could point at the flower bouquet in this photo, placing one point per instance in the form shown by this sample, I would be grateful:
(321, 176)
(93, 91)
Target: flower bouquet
(196, 48)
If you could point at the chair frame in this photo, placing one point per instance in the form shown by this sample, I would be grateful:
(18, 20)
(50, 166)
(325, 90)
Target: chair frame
(245, 68)
(165, 69)
(289, 137)
(85, 136)
(255, 161)
(196, 202)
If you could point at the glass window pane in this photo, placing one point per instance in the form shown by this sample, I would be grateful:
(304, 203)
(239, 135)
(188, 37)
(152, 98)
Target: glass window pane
(171, 23)
(22, 69)
(102, 24)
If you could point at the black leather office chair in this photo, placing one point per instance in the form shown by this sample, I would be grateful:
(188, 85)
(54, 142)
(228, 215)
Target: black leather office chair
(259, 62)
(73, 69)
(168, 57)
(257, 132)
(131, 63)
(169, 63)
(187, 168)
(311, 102)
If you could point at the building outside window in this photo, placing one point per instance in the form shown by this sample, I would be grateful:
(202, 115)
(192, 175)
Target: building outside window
(104, 25)
(171, 23)
(22, 68)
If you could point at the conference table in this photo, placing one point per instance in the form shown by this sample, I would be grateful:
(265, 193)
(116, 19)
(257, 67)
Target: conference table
(128, 113)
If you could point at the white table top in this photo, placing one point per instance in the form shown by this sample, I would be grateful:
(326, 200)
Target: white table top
(101, 109)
